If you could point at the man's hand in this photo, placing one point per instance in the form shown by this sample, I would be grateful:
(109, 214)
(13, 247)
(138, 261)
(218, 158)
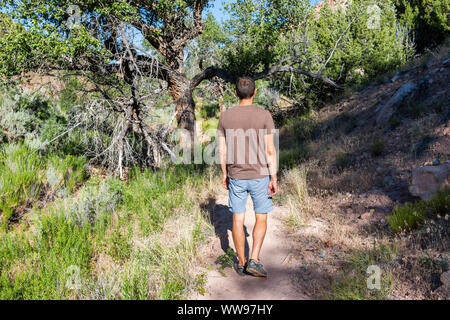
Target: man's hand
(273, 188)
(225, 182)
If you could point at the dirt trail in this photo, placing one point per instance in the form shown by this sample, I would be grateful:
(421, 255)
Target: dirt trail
(275, 255)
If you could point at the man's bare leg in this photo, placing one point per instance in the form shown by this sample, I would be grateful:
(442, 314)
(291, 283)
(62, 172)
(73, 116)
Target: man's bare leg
(259, 232)
(239, 236)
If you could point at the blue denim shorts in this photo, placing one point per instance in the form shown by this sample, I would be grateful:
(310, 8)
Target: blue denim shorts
(238, 194)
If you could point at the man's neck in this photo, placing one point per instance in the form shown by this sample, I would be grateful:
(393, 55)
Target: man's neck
(246, 102)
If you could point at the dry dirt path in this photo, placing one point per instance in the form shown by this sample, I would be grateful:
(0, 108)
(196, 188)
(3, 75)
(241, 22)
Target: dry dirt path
(275, 255)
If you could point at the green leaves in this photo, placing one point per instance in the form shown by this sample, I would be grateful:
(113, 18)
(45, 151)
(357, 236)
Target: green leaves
(257, 33)
(427, 21)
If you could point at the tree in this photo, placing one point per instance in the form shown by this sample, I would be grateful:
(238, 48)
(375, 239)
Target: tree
(99, 40)
(427, 21)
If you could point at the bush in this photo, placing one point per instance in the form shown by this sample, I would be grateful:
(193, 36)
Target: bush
(297, 197)
(410, 215)
(343, 160)
(427, 21)
(302, 127)
(378, 147)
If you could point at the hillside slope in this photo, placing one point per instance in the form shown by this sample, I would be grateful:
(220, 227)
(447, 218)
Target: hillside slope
(358, 165)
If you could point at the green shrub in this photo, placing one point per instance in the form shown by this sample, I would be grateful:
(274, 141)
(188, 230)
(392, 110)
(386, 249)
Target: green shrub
(427, 21)
(440, 203)
(68, 171)
(378, 147)
(407, 217)
(394, 122)
(288, 158)
(410, 215)
(343, 160)
(302, 127)
(57, 252)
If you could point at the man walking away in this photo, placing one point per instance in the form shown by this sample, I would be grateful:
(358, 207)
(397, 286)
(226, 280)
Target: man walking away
(248, 162)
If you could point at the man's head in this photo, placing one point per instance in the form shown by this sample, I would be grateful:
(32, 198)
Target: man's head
(245, 88)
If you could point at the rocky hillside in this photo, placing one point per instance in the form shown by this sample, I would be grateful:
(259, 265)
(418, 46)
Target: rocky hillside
(370, 152)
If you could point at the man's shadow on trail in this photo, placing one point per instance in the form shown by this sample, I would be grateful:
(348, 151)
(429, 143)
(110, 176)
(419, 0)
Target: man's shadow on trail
(222, 219)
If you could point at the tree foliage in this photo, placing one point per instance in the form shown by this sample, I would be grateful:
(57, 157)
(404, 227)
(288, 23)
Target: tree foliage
(427, 21)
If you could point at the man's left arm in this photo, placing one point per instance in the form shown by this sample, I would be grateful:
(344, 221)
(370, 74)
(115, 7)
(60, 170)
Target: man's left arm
(223, 160)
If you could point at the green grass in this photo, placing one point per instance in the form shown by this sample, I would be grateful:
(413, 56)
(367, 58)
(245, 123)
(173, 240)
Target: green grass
(26, 176)
(352, 285)
(343, 160)
(302, 127)
(121, 223)
(411, 215)
(152, 197)
(378, 147)
(289, 158)
(37, 266)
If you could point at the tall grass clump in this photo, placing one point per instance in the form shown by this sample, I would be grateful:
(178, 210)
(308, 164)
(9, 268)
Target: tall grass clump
(41, 265)
(27, 177)
(297, 196)
(20, 179)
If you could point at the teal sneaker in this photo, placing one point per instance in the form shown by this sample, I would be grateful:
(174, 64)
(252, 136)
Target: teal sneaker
(256, 268)
(240, 269)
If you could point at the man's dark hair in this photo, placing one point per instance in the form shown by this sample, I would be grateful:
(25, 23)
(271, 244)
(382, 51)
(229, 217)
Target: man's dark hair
(245, 87)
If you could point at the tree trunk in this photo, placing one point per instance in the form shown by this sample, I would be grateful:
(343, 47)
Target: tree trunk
(185, 107)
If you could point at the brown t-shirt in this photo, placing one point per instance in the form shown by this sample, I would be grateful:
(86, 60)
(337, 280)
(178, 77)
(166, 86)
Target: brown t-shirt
(244, 128)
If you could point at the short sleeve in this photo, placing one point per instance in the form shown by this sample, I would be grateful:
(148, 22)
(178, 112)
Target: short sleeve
(269, 125)
(220, 128)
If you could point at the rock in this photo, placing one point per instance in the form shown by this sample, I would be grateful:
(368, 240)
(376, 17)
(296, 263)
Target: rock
(446, 62)
(396, 77)
(445, 279)
(365, 216)
(428, 180)
(387, 180)
(388, 109)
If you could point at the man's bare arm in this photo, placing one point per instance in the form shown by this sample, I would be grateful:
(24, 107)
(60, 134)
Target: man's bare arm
(223, 160)
(271, 155)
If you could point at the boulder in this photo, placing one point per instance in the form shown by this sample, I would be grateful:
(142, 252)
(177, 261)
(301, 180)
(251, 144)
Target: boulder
(428, 180)
(445, 279)
(387, 110)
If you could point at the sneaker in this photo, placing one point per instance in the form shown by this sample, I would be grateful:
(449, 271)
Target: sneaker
(240, 269)
(256, 268)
